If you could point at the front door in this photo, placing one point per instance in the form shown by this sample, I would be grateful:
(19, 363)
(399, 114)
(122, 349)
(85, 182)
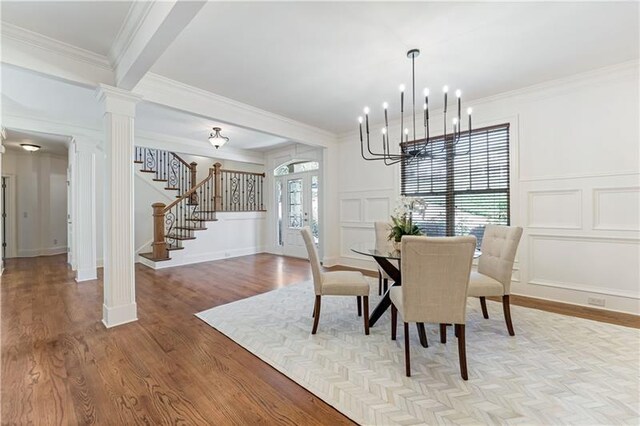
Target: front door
(300, 193)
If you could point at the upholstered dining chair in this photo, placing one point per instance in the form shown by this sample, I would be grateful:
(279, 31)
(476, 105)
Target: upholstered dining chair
(382, 240)
(335, 283)
(495, 266)
(435, 281)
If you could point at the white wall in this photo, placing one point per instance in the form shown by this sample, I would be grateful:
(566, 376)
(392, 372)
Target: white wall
(575, 181)
(40, 203)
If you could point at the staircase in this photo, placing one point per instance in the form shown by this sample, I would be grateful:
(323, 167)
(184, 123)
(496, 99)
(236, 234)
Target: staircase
(196, 203)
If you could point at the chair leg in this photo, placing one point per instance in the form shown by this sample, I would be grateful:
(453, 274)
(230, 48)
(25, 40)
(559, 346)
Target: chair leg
(462, 351)
(365, 301)
(394, 321)
(316, 311)
(407, 356)
(443, 333)
(359, 305)
(455, 331)
(386, 284)
(483, 305)
(507, 314)
(379, 283)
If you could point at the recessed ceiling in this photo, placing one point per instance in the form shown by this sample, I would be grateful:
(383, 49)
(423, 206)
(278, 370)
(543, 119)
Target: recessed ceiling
(91, 25)
(49, 143)
(322, 62)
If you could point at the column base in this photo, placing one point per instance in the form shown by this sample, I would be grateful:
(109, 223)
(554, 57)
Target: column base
(86, 275)
(118, 315)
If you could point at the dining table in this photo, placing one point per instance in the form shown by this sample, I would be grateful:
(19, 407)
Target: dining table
(389, 258)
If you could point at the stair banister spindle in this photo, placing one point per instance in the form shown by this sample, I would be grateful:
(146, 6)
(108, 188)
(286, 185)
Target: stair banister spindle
(193, 178)
(217, 189)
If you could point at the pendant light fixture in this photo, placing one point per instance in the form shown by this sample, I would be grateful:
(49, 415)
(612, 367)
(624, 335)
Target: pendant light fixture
(216, 139)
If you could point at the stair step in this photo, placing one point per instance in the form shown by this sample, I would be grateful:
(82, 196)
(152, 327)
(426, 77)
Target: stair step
(179, 237)
(190, 228)
(147, 171)
(206, 211)
(172, 189)
(150, 257)
(138, 162)
(203, 220)
(159, 180)
(170, 248)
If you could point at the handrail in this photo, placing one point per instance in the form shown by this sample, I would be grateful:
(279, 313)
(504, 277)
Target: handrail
(241, 172)
(190, 166)
(190, 192)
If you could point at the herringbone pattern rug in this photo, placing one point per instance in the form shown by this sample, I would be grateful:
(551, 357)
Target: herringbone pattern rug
(556, 370)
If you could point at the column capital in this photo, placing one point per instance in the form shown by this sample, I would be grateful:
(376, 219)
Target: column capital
(117, 101)
(85, 144)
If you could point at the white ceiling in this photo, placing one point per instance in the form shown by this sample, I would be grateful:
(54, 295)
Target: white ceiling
(91, 25)
(49, 143)
(320, 63)
(29, 94)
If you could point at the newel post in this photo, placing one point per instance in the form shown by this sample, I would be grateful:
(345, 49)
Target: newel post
(193, 176)
(217, 198)
(159, 245)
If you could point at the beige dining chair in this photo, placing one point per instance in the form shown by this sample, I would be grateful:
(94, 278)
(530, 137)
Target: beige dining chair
(382, 242)
(335, 283)
(495, 266)
(435, 280)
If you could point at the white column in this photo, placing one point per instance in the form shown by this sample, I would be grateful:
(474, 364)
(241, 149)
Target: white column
(2, 133)
(83, 188)
(119, 274)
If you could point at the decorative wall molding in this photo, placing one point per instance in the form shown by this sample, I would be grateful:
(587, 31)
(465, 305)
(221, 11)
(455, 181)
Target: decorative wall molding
(350, 203)
(581, 176)
(570, 257)
(573, 195)
(597, 215)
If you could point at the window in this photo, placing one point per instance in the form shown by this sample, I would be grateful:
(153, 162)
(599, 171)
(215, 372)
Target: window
(464, 186)
(303, 166)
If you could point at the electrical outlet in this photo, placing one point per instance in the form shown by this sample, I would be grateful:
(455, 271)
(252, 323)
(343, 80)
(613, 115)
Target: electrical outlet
(227, 254)
(55, 242)
(24, 215)
(596, 302)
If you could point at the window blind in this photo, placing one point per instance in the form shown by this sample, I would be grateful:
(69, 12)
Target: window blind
(464, 185)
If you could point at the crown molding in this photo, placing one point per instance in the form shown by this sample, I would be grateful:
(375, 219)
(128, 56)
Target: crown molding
(136, 15)
(153, 84)
(31, 38)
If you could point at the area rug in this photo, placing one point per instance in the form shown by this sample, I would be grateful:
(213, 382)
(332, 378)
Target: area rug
(557, 369)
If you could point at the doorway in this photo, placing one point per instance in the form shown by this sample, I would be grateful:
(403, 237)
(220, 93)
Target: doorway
(7, 216)
(297, 198)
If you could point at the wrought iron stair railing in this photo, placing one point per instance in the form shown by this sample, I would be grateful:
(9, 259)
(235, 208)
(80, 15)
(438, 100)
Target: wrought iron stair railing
(220, 191)
(167, 167)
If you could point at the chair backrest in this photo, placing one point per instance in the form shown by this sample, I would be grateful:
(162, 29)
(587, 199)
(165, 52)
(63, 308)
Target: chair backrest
(499, 246)
(383, 229)
(314, 260)
(435, 278)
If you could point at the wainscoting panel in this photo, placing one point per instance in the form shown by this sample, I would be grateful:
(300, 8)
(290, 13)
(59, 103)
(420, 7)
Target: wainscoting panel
(588, 264)
(351, 210)
(560, 209)
(376, 209)
(616, 209)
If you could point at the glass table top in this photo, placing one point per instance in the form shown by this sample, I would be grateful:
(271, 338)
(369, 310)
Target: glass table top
(385, 250)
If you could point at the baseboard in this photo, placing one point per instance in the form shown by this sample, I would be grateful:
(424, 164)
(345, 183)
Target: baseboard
(86, 275)
(119, 315)
(51, 251)
(180, 259)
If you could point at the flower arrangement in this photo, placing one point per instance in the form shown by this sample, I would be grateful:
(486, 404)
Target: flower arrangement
(402, 220)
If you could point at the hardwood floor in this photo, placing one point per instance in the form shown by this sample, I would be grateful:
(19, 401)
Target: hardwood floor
(61, 366)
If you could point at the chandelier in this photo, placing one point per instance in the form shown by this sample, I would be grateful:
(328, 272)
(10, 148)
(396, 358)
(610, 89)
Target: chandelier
(417, 147)
(216, 139)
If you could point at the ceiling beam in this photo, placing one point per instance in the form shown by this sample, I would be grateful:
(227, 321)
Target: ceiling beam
(150, 27)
